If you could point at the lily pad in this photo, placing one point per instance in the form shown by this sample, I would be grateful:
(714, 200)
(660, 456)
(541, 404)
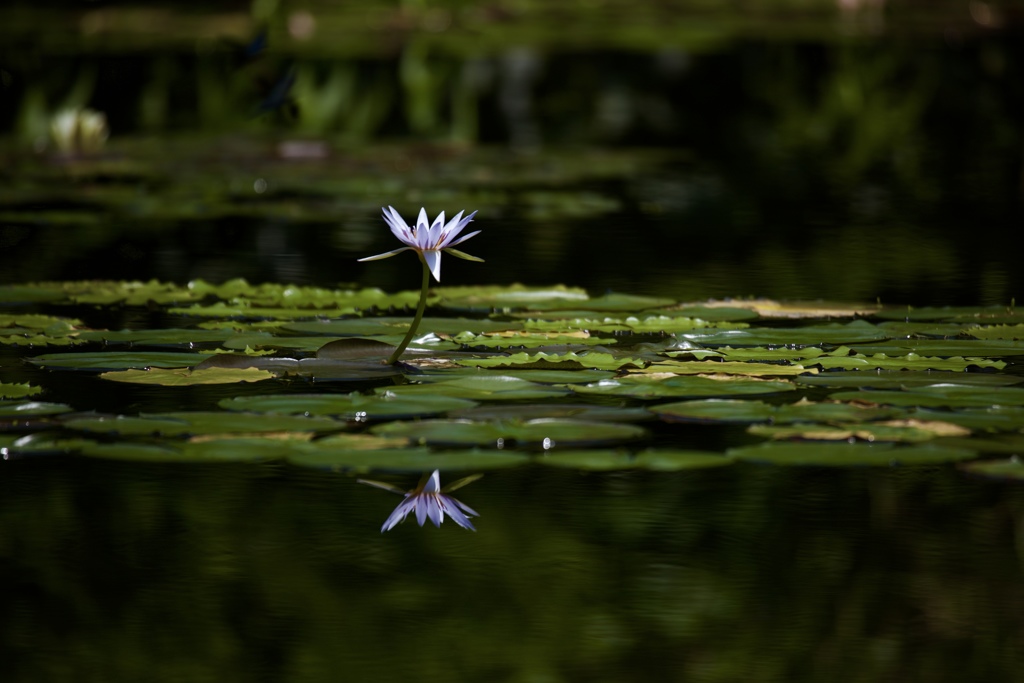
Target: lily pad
(17, 390)
(533, 411)
(203, 422)
(100, 361)
(937, 395)
(692, 386)
(898, 379)
(748, 412)
(353, 406)
(910, 431)
(183, 377)
(23, 409)
(321, 455)
(483, 388)
(546, 361)
(858, 331)
(545, 432)
(1011, 468)
(675, 460)
(849, 454)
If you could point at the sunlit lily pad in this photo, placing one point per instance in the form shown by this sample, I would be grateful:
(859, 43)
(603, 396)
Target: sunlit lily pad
(1011, 332)
(353, 406)
(483, 388)
(162, 337)
(607, 302)
(362, 327)
(17, 390)
(547, 432)
(693, 386)
(547, 361)
(182, 377)
(994, 419)
(557, 376)
(966, 348)
(711, 367)
(506, 298)
(769, 308)
(849, 454)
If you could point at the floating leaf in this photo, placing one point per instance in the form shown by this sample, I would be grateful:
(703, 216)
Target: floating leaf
(546, 432)
(711, 367)
(674, 460)
(849, 454)
(483, 388)
(912, 431)
(17, 390)
(181, 377)
(548, 361)
(324, 455)
(858, 331)
(23, 409)
(693, 386)
(1011, 468)
(353, 406)
(936, 395)
(533, 411)
(202, 422)
(118, 360)
(746, 412)
(947, 348)
(896, 379)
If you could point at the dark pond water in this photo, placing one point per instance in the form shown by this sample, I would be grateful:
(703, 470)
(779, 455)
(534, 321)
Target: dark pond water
(844, 151)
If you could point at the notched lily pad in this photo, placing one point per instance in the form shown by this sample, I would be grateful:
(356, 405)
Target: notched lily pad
(548, 361)
(17, 390)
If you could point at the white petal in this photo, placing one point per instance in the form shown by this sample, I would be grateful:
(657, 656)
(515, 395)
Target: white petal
(421, 509)
(464, 238)
(398, 226)
(421, 221)
(433, 260)
(433, 483)
(387, 254)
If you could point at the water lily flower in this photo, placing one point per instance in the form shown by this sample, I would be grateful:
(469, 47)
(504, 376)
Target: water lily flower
(428, 239)
(429, 501)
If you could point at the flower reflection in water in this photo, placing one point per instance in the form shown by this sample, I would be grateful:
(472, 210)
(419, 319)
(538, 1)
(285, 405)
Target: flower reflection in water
(429, 501)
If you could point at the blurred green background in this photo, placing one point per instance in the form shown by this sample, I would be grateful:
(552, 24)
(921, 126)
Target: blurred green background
(849, 149)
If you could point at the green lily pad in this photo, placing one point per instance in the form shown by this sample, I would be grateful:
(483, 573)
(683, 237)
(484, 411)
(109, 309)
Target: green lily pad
(966, 348)
(183, 377)
(748, 412)
(22, 409)
(533, 411)
(361, 327)
(588, 460)
(480, 388)
(907, 431)
(163, 337)
(17, 390)
(675, 460)
(485, 299)
(203, 422)
(546, 361)
(897, 379)
(516, 339)
(849, 454)
(353, 406)
(100, 361)
(950, 313)
(1011, 332)
(321, 455)
(692, 386)
(711, 367)
(1011, 468)
(858, 331)
(992, 419)
(937, 395)
(1010, 444)
(546, 432)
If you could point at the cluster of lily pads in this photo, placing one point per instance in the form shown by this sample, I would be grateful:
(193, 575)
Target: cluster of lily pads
(506, 375)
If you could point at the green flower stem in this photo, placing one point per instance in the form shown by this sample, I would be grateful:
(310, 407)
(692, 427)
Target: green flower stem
(419, 314)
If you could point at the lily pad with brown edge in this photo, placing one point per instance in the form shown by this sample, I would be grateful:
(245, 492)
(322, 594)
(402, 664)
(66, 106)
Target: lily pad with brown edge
(337, 457)
(18, 390)
(713, 312)
(24, 409)
(183, 377)
(533, 411)
(938, 395)
(514, 339)
(547, 361)
(1010, 468)
(677, 386)
(858, 331)
(545, 432)
(352, 406)
(100, 361)
(898, 379)
(828, 454)
(770, 308)
(482, 388)
(556, 376)
(711, 367)
(748, 412)
(910, 431)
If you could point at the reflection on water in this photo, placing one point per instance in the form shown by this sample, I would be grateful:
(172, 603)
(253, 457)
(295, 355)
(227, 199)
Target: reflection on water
(124, 572)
